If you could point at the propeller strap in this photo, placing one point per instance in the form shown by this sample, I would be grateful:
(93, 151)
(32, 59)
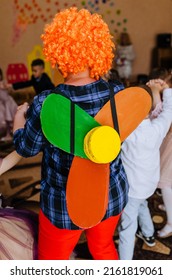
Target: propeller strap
(113, 110)
(72, 127)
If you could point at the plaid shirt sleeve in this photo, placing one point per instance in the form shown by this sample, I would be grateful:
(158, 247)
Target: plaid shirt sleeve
(29, 141)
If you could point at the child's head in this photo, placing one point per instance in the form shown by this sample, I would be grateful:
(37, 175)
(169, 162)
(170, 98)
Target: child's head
(158, 73)
(37, 66)
(78, 40)
(163, 74)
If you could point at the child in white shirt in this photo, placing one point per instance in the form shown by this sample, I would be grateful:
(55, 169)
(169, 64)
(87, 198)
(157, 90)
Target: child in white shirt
(141, 160)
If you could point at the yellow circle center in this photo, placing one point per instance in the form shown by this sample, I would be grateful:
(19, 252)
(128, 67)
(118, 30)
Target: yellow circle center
(102, 144)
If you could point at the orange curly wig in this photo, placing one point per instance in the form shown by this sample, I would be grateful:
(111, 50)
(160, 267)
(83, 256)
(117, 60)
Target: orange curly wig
(77, 40)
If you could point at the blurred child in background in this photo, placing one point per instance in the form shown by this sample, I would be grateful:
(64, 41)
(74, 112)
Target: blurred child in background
(8, 108)
(141, 160)
(125, 56)
(40, 81)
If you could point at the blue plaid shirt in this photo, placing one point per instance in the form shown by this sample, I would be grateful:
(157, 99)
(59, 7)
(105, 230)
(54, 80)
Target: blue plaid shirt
(56, 163)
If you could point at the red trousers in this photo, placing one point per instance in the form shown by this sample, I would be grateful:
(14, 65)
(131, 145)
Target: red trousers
(58, 244)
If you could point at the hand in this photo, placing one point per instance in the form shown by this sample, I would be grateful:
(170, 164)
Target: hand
(157, 85)
(22, 109)
(2, 85)
(20, 116)
(5, 85)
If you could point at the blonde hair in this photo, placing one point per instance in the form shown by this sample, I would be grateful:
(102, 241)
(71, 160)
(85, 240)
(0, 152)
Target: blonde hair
(76, 40)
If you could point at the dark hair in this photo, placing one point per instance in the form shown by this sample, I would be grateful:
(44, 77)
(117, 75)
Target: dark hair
(158, 73)
(142, 79)
(1, 75)
(161, 73)
(113, 75)
(124, 39)
(38, 62)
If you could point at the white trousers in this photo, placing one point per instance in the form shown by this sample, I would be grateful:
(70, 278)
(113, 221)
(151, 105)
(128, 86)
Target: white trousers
(135, 213)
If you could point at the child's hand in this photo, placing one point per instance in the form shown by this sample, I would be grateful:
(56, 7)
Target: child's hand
(2, 85)
(20, 116)
(157, 85)
(22, 109)
(5, 85)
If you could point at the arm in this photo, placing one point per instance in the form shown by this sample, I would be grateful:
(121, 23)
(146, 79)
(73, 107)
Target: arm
(19, 119)
(163, 121)
(156, 86)
(20, 85)
(28, 137)
(16, 86)
(9, 161)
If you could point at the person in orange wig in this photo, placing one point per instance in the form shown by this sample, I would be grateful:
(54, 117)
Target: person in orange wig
(80, 45)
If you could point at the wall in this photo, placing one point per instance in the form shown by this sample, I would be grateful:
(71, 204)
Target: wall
(142, 19)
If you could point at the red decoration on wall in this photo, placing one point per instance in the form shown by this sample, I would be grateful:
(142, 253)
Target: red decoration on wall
(17, 73)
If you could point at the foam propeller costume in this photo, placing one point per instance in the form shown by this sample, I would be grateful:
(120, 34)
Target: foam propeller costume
(96, 142)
